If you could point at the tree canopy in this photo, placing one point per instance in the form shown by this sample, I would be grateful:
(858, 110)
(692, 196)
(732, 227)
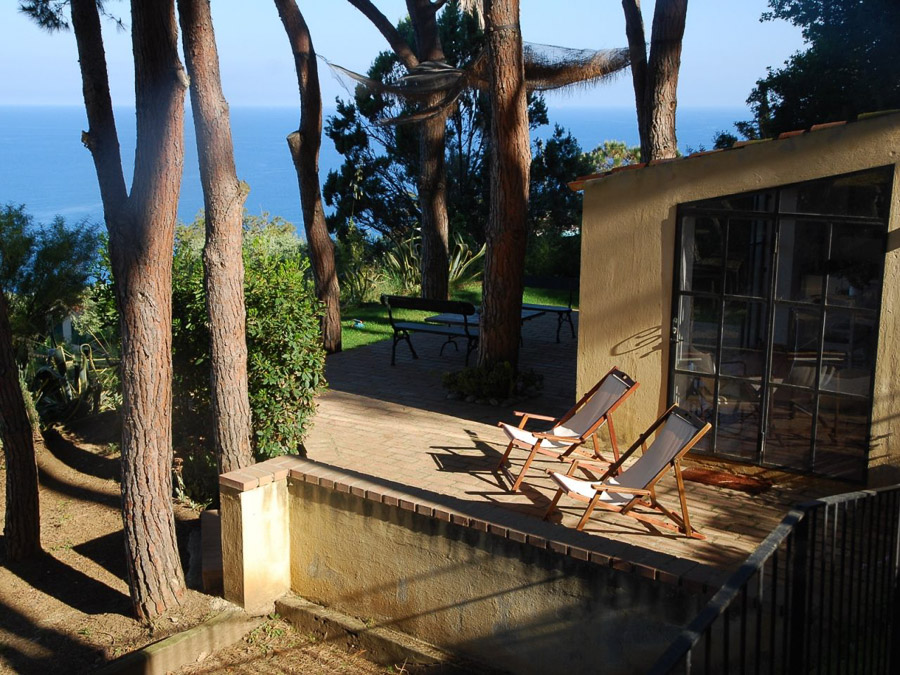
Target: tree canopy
(850, 66)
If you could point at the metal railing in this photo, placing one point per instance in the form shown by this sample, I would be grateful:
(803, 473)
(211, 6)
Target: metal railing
(820, 594)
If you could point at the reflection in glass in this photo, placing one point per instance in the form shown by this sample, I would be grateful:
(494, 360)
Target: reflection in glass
(789, 432)
(744, 338)
(747, 264)
(738, 418)
(702, 241)
(841, 436)
(802, 254)
(864, 194)
(854, 270)
(698, 328)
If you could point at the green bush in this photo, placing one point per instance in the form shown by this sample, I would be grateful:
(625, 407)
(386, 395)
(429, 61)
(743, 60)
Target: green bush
(286, 360)
(285, 357)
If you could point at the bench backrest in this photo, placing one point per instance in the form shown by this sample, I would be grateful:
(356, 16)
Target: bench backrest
(426, 305)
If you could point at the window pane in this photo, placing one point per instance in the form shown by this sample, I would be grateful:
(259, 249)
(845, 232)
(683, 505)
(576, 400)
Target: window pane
(747, 268)
(738, 418)
(701, 264)
(841, 437)
(802, 254)
(744, 338)
(698, 328)
(695, 394)
(857, 254)
(789, 435)
(849, 351)
(863, 194)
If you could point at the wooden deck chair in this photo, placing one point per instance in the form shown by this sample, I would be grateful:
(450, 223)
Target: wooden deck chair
(635, 487)
(573, 429)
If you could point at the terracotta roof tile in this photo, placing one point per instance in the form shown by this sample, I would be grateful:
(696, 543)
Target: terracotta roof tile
(827, 125)
(791, 134)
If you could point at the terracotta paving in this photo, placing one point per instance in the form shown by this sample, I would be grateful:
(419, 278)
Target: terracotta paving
(397, 424)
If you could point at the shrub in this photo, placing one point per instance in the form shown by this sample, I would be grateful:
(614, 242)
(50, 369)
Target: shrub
(286, 360)
(497, 382)
(285, 357)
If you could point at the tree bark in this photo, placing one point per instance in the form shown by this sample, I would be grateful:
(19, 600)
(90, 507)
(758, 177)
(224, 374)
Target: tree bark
(432, 178)
(223, 262)
(141, 235)
(510, 167)
(22, 527)
(304, 145)
(433, 169)
(637, 48)
(656, 80)
(662, 76)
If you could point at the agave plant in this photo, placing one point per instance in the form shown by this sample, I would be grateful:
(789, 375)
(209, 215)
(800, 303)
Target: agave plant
(402, 264)
(466, 265)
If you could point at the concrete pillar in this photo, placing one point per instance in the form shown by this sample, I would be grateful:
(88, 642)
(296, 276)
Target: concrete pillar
(255, 536)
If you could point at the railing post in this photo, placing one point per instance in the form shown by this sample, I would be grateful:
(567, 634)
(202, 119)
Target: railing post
(798, 585)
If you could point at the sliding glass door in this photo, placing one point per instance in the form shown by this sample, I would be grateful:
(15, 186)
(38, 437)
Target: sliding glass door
(775, 321)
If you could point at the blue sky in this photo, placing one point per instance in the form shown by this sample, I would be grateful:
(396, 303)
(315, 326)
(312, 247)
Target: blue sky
(726, 49)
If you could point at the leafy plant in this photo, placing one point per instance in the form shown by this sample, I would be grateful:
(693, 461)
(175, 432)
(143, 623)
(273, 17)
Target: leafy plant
(497, 382)
(285, 358)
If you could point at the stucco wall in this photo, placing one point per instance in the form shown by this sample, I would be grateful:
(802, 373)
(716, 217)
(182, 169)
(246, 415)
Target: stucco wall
(499, 601)
(628, 244)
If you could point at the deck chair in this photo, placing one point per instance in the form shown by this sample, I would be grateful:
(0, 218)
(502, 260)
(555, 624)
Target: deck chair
(573, 429)
(635, 487)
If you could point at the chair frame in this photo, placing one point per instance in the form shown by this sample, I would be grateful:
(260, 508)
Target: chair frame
(646, 496)
(575, 441)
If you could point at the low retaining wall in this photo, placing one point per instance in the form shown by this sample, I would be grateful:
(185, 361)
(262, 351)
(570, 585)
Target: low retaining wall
(462, 575)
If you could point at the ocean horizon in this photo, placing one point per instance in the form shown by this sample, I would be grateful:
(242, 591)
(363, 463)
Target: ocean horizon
(45, 167)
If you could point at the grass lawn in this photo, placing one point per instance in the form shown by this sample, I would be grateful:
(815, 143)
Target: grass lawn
(375, 325)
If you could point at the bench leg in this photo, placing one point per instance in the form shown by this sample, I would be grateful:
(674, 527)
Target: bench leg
(470, 347)
(450, 341)
(564, 316)
(397, 338)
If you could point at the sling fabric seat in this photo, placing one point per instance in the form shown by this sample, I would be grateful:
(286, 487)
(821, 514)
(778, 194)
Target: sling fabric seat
(569, 432)
(635, 487)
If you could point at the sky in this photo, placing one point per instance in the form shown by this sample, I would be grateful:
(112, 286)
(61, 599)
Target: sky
(725, 50)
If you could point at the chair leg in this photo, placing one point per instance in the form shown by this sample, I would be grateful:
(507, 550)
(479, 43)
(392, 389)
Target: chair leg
(588, 511)
(505, 456)
(613, 441)
(521, 476)
(553, 503)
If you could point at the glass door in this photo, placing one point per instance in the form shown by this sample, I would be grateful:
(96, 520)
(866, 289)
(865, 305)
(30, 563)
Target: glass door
(775, 321)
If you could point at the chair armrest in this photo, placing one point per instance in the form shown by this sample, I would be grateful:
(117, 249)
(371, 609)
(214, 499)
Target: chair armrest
(600, 467)
(551, 437)
(620, 489)
(534, 416)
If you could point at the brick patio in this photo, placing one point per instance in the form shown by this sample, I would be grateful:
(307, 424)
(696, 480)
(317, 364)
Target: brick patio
(396, 424)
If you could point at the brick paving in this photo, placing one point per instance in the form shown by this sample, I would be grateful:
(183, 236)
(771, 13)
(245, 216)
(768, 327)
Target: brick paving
(397, 424)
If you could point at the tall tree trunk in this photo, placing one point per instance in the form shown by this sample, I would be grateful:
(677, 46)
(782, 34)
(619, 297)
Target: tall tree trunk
(656, 80)
(637, 48)
(510, 167)
(141, 235)
(304, 145)
(433, 202)
(223, 262)
(432, 163)
(22, 527)
(432, 179)
(662, 76)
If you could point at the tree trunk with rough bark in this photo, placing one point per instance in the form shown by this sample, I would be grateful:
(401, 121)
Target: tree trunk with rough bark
(141, 235)
(432, 179)
(304, 145)
(656, 79)
(223, 261)
(22, 527)
(510, 168)
(432, 163)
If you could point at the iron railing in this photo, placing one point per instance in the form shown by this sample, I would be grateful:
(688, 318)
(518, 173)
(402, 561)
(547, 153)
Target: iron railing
(819, 595)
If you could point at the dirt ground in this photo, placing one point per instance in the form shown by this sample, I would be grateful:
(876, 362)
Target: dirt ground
(69, 610)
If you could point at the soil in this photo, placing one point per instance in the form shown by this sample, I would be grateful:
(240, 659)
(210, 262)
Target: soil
(69, 610)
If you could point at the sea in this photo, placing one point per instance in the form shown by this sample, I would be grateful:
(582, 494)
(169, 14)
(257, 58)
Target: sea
(45, 167)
